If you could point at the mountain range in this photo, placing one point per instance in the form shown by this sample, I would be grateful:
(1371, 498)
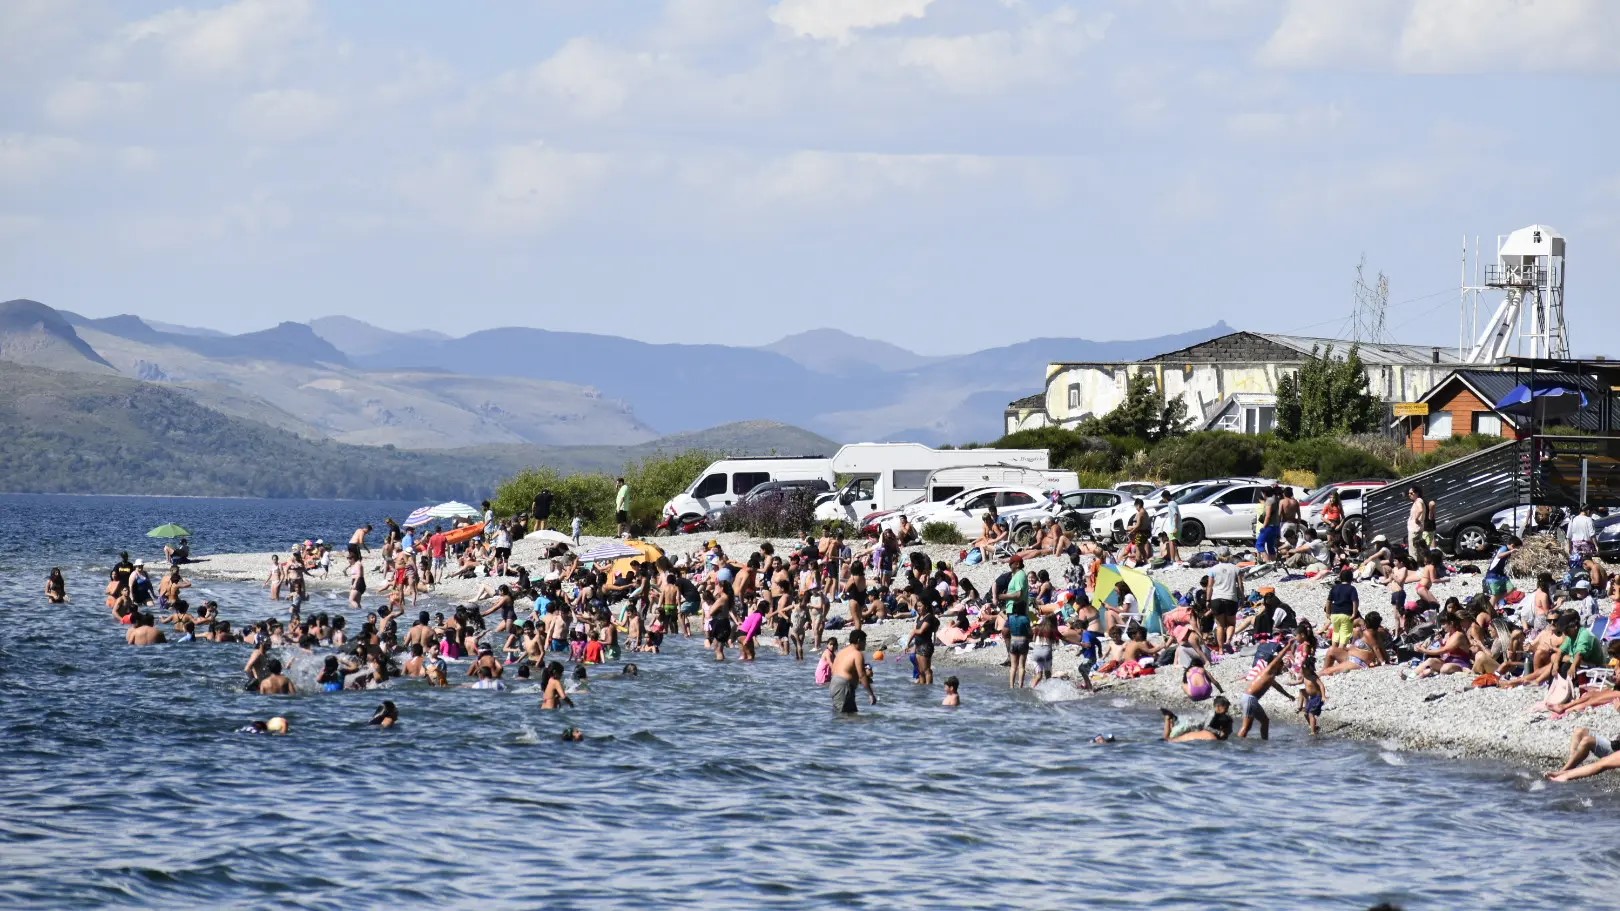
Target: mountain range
(581, 398)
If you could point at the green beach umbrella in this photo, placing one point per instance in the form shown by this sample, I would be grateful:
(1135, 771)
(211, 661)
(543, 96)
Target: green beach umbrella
(169, 530)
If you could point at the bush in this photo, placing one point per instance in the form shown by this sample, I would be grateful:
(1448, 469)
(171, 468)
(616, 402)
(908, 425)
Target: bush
(942, 533)
(788, 516)
(1328, 459)
(1211, 454)
(1453, 449)
(1096, 480)
(590, 496)
(1347, 464)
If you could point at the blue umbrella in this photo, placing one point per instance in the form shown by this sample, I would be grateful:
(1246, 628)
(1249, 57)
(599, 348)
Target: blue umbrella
(1542, 401)
(420, 517)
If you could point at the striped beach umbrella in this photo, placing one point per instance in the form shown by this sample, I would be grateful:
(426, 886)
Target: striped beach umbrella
(420, 517)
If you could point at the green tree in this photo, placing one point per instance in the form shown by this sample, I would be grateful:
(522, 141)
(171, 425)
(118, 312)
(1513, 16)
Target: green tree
(1328, 396)
(1144, 414)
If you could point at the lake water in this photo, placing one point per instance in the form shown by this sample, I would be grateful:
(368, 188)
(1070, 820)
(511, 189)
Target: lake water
(123, 783)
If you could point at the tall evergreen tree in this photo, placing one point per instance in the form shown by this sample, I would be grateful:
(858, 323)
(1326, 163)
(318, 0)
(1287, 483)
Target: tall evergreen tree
(1329, 396)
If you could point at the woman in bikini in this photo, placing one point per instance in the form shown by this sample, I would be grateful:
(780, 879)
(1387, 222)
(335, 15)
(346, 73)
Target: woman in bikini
(56, 586)
(1454, 656)
(1366, 648)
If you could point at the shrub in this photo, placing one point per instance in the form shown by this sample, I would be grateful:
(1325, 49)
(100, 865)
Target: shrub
(652, 481)
(788, 516)
(1346, 464)
(1453, 449)
(942, 533)
(1211, 454)
(1096, 480)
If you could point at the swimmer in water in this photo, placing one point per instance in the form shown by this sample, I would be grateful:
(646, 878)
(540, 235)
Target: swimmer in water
(386, 716)
(276, 725)
(553, 695)
(630, 670)
(953, 696)
(1217, 727)
(275, 683)
(56, 587)
(331, 678)
(572, 735)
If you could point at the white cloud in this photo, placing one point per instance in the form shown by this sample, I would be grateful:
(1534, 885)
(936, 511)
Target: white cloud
(1309, 122)
(247, 36)
(839, 20)
(1447, 36)
(590, 78)
(284, 115)
(514, 189)
(82, 101)
(1314, 33)
(1444, 36)
(1043, 50)
(27, 159)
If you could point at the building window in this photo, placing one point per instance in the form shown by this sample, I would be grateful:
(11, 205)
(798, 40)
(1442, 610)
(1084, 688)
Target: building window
(1438, 426)
(1074, 397)
(1487, 424)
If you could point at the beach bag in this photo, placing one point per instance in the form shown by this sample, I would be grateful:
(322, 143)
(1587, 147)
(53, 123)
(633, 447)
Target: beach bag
(973, 557)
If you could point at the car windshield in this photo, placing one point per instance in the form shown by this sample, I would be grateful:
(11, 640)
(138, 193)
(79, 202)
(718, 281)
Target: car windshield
(1197, 492)
(1320, 496)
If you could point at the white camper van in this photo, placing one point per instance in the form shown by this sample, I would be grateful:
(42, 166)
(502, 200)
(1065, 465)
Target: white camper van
(884, 476)
(722, 483)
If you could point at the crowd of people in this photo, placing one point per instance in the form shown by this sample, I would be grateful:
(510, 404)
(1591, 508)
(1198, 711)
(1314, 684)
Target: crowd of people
(818, 597)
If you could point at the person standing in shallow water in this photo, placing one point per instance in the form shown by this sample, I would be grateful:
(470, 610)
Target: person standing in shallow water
(56, 586)
(849, 671)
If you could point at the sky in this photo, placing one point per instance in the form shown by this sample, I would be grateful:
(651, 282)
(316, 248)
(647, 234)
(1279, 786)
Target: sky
(946, 175)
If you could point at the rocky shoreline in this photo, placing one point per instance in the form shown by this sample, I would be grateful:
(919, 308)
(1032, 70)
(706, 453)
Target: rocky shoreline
(1442, 715)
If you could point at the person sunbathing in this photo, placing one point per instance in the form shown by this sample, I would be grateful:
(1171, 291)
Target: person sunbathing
(1046, 542)
(1454, 656)
(1543, 661)
(1584, 743)
(1366, 648)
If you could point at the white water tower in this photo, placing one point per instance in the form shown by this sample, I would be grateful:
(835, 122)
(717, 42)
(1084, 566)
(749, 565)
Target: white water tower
(1529, 271)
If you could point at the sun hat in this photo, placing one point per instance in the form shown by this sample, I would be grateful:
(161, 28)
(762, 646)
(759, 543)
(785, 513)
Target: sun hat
(139, 562)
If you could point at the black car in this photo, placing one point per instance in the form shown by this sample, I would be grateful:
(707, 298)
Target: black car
(1608, 537)
(776, 490)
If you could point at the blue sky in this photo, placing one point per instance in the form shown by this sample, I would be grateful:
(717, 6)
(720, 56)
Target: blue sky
(943, 174)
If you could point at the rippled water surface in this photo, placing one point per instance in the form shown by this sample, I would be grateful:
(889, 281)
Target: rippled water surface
(123, 784)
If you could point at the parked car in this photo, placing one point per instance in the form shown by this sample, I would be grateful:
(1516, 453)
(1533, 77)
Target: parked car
(1223, 513)
(1310, 511)
(966, 510)
(775, 490)
(1136, 488)
(1110, 525)
(1608, 537)
(1074, 509)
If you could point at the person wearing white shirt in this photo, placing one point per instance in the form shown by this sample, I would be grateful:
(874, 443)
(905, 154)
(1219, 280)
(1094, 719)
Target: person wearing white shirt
(1582, 532)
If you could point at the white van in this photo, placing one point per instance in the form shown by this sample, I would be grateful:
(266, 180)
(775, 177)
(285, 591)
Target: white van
(948, 482)
(723, 482)
(884, 476)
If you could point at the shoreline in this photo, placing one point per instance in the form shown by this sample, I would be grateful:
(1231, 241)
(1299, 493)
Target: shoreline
(1442, 715)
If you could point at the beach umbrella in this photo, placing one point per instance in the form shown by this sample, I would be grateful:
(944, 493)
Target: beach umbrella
(552, 535)
(610, 550)
(1151, 595)
(645, 553)
(169, 530)
(1554, 400)
(420, 517)
(453, 510)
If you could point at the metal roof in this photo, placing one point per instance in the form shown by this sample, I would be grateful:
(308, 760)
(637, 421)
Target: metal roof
(1371, 352)
(1029, 401)
(1493, 385)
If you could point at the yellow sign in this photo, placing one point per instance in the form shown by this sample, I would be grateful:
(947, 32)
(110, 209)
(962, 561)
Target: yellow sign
(1411, 409)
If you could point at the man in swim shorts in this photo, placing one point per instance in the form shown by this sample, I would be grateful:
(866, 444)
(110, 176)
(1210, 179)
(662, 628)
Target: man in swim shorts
(1584, 743)
(1266, 680)
(1217, 727)
(849, 670)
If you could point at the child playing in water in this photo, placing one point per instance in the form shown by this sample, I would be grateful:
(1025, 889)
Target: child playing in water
(1265, 680)
(952, 695)
(1311, 694)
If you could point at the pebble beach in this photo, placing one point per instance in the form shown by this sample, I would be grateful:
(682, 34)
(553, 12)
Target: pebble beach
(1443, 715)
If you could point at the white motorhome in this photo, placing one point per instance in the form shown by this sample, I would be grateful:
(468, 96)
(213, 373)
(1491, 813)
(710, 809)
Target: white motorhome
(948, 482)
(884, 476)
(728, 479)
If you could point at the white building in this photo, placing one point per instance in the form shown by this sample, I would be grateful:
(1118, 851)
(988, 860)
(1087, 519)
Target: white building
(1228, 382)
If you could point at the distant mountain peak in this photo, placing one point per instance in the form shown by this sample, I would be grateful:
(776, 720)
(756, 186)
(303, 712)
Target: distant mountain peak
(37, 335)
(358, 338)
(836, 351)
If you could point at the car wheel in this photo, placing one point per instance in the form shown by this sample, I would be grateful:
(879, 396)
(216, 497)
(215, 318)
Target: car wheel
(1471, 541)
(1118, 536)
(1024, 535)
(1192, 533)
(1351, 530)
